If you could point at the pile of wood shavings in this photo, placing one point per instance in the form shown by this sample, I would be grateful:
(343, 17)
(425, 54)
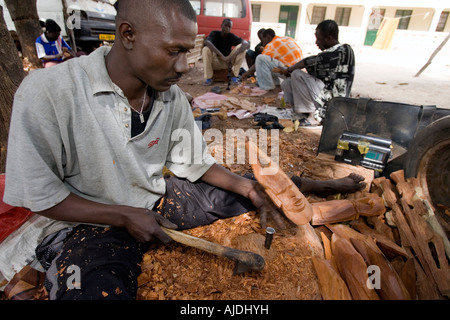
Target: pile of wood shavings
(177, 272)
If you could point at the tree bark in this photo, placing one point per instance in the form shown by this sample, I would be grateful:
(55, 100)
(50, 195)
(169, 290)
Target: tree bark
(11, 75)
(26, 20)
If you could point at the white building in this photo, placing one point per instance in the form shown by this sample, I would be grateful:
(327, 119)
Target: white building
(421, 24)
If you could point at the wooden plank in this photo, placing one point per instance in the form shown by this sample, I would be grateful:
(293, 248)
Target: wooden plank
(332, 286)
(388, 247)
(352, 268)
(426, 286)
(196, 54)
(424, 238)
(391, 286)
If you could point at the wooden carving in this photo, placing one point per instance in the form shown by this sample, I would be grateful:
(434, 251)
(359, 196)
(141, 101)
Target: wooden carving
(280, 188)
(334, 211)
(353, 269)
(332, 286)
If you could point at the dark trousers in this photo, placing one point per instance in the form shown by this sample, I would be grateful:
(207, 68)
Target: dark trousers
(94, 263)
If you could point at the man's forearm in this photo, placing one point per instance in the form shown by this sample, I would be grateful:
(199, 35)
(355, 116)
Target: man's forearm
(222, 178)
(298, 65)
(77, 209)
(51, 57)
(213, 48)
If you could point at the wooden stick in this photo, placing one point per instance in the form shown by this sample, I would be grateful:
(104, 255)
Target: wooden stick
(433, 55)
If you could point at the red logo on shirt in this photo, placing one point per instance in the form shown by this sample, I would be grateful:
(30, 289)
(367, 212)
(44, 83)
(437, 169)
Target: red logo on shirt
(152, 143)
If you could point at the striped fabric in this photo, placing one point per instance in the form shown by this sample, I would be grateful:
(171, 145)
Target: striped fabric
(284, 49)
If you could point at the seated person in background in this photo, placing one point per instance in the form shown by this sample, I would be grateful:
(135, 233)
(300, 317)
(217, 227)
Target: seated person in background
(218, 52)
(51, 47)
(278, 52)
(251, 55)
(329, 74)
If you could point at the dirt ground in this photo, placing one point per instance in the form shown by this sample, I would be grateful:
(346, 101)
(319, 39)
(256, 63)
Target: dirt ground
(292, 160)
(180, 272)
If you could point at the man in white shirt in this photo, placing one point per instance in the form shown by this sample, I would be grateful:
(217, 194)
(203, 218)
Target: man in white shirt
(88, 143)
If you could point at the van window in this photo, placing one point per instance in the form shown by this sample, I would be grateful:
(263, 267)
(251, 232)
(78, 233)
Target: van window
(225, 8)
(196, 4)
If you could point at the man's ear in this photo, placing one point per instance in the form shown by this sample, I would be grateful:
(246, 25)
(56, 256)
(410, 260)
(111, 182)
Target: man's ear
(127, 35)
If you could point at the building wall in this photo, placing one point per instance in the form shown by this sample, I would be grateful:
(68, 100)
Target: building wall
(420, 32)
(355, 16)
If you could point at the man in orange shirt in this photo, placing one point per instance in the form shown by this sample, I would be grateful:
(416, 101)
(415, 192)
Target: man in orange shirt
(279, 52)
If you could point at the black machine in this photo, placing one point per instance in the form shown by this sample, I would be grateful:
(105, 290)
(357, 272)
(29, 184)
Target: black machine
(420, 137)
(367, 151)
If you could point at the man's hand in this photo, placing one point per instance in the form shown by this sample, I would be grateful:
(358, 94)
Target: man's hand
(223, 178)
(230, 59)
(145, 226)
(265, 207)
(285, 72)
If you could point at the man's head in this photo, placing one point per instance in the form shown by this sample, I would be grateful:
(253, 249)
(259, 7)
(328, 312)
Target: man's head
(260, 33)
(327, 34)
(152, 40)
(52, 30)
(226, 26)
(268, 35)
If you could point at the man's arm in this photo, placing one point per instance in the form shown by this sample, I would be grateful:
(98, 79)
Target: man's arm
(249, 72)
(287, 71)
(220, 177)
(244, 46)
(213, 48)
(141, 223)
(43, 55)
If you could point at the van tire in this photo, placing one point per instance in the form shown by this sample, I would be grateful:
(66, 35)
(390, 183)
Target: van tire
(428, 159)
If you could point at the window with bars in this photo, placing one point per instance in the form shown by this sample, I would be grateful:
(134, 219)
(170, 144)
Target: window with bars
(442, 21)
(342, 16)
(256, 12)
(405, 16)
(318, 14)
(225, 8)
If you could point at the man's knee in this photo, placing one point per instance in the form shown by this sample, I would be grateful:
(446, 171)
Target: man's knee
(262, 59)
(299, 75)
(206, 52)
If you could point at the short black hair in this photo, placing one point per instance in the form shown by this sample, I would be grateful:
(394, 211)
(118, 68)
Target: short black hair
(226, 20)
(269, 32)
(329, 28)
(183, 6)
(52, 26)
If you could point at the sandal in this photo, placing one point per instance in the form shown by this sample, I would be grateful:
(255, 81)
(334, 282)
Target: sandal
(304, 122)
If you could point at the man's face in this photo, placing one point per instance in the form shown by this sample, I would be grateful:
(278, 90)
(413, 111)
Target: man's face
(266, 39)
(52, 36)
(159, 54)
(321, 41)
(226, 27)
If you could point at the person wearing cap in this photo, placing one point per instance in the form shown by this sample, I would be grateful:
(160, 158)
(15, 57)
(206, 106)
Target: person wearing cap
(51, 48)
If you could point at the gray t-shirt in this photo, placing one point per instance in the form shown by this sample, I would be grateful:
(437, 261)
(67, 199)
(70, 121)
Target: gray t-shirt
(71, 132)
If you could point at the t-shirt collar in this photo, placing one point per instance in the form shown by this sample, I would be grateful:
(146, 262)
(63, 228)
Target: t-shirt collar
(95, 68)
(44, 38)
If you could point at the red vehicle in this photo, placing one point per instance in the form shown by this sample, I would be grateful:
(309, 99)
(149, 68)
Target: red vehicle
(210, 14)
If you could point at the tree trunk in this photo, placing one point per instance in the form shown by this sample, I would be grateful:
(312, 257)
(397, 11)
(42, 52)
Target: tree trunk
(11, 75)
(26, 20)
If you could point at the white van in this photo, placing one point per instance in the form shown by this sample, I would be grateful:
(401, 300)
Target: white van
(92, 21)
